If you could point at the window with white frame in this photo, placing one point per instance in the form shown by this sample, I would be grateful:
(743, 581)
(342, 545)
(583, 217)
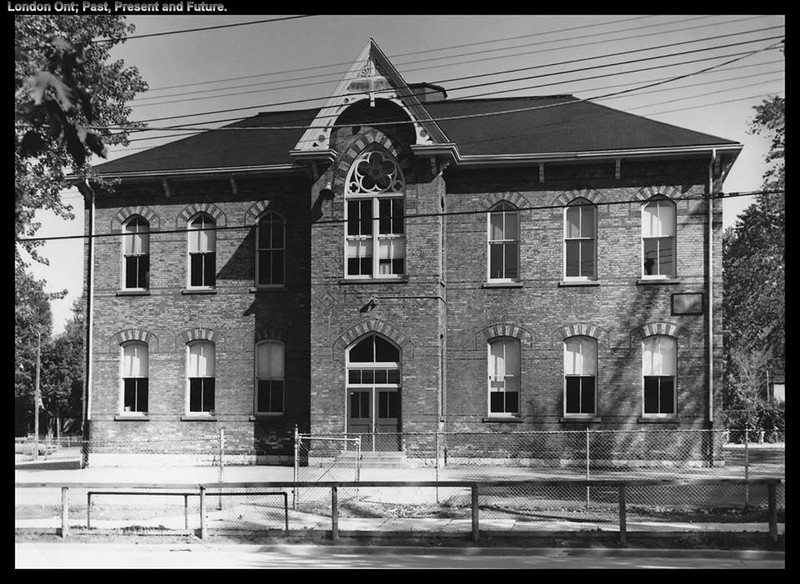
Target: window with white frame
(658, 239)
(135, 382)
(580, 376)
(136, 254)
(375, 212)
(270, 250)
(200, 370)
(270, 373)
(580, 243)
(504, 376)
(503, 243)
(659, 365)
(202, 252)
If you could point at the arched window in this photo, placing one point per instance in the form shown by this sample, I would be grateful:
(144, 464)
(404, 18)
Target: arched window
(580, 376)
(200, 374)
(269, 395)
(658, 239)
(136, 254)
(270, 250)
(580, 244)
(504, 376)
(374, 207)
(134, 374)
(202, 251)
(659, 366)
(503, 236)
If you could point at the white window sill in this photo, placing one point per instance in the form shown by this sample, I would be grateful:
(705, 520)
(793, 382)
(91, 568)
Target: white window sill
(502, 284)
(133, 292)
(199, 418)
(397, 280)
(579, 418)
(270, 288)
(199, 291)
(566, 283)
(132, 417)
(515, 419)
(658, 419)
(648, 281)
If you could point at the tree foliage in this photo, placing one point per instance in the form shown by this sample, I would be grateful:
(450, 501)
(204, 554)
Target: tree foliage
(63, 366)
(754, 275)
(65, 85)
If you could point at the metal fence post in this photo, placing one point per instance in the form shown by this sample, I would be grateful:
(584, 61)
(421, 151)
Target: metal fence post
(623, 533)
(296, 463)
(221, 476)
(772, 506)
(203, 531)
(475, 525)
(436, 465)
(334, 514)
(746, 469)
(587, 467)
(64, 512)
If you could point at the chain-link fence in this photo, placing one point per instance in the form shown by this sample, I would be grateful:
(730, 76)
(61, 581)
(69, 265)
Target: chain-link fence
(521, 457)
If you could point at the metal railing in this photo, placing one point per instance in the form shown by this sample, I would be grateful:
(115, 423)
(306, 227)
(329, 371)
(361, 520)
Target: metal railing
(478, 495)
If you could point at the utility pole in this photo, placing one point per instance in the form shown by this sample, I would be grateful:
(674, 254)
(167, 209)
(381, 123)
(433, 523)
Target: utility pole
(36, 395)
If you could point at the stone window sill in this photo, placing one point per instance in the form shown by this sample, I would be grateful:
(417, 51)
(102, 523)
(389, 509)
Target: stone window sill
(502, 420)
(189, 291)
(567, 283)
(133, 292)
(198, 418)
(131, 418)
(401, 280)
(580, 420)
(657, 281)
(502, 285)
(276, 288)
(657, 420)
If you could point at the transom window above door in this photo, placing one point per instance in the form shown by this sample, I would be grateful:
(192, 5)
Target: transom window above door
(373, 360)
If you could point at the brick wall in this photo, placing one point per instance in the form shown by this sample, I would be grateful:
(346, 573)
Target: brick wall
(236, 315)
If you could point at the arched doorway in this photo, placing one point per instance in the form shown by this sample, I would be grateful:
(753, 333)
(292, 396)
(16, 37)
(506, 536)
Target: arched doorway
(373, 393)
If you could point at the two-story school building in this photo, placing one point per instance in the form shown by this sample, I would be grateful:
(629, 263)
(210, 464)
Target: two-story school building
(397, 262)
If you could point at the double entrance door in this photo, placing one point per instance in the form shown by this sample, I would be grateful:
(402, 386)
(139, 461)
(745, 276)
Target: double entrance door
(374, 414)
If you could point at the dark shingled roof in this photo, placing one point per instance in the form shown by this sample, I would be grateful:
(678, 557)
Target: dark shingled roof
(544, 125)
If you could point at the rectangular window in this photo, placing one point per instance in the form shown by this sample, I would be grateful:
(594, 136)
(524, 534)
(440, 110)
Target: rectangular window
(271, 251)
(504, 376)
(658, 239)
(134, 372)
(659, 395)
(137, 271)
(580, 395)
(580, 375)
(579, 241)
(135, 394)
(504, 243)
(203, 269)
(201, 394)
(375, 225)
(269, 377)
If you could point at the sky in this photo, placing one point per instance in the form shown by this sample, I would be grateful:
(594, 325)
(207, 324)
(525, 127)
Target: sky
(268, 60)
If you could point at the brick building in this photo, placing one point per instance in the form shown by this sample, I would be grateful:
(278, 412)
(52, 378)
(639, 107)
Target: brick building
(396, 262)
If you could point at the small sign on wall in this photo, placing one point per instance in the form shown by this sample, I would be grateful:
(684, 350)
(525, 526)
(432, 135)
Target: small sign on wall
(687, 303)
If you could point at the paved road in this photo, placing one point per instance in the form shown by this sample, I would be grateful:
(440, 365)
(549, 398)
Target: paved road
(190, 555)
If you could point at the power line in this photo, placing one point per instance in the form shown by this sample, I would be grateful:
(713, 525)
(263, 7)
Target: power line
(550, 32)
(715, 196)
(338, 74)
(537, 86)
(185, 30)
(677, 54)
(467, 116)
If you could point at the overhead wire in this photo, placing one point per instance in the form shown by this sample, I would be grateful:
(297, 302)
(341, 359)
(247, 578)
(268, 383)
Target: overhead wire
(715, 196)
(338, 74)
(517, 70)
